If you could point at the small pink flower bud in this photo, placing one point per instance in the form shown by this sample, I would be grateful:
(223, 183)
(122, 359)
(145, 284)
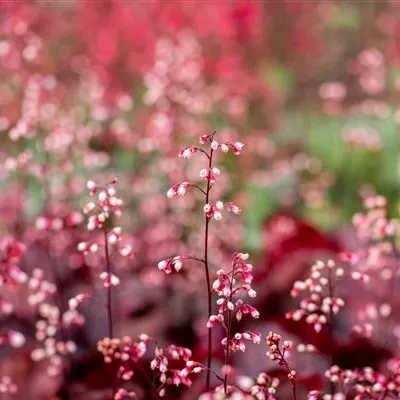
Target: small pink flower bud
(214, 145)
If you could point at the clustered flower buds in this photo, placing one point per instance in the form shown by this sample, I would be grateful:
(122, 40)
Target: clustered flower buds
(40, 288)
(278, 352)
(213, 210)
(179, 189)
(320, 304)
(108, 204)
(236, 147)
(369, 315)
(11, 251)
(188, 151)
(109, 279)
(210, 173)
(265, 387)
(126, 354)
(376, 261)
(374, 224)
(75, 302)
(123, 394)
(228, 285)
(363, 384)
(49, 330)
(51, 320)
(7, 385)
(171, 264)
(56, 223)
(102, 208)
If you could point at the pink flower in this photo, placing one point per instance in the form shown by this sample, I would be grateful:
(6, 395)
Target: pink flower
(188, 151)
(233, 208)
(109, 279)
(179, 189)
(171, 264)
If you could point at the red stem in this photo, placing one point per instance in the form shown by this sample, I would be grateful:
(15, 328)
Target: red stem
(288, 370)
(109, 308)
(108, 265)
(330, 331)
(228, 336)
(207, 271)
(294, 393)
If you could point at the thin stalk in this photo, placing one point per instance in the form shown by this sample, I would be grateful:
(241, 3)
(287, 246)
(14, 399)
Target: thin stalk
(294, 391)
(330, 329)
(197, 187)
(108, 266)
(216, 375)
(207, 271)
(109, 306)
(228, 335)
(292, 381)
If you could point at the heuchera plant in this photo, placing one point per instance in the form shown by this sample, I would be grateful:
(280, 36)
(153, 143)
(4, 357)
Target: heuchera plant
(229, 291)
(230, 285)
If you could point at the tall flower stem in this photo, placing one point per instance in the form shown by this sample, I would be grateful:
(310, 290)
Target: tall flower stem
(292, 381)
(330, 326)
(109, 305)
(207, 271)
(211, 210)
(228, 336)
(294, 391)
(109, 299)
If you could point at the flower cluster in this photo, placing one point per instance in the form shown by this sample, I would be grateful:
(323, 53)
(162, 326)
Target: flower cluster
(171, 264)
(236, 147)
(50, 333)
(179, 189)
(265, 387)
(375, 261)
(278, 352)
(362, 384)
(7, 385)
(209, 174)
(170, 376)
(10, 273)
(11, 277)
(369, 316)
(123, 394)
(106, 205)
(51, 320)
(228, 286)
(213, 210)
(374, 224)
(40, 288)
(320, 304)
(56, 223)
(127, 353)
